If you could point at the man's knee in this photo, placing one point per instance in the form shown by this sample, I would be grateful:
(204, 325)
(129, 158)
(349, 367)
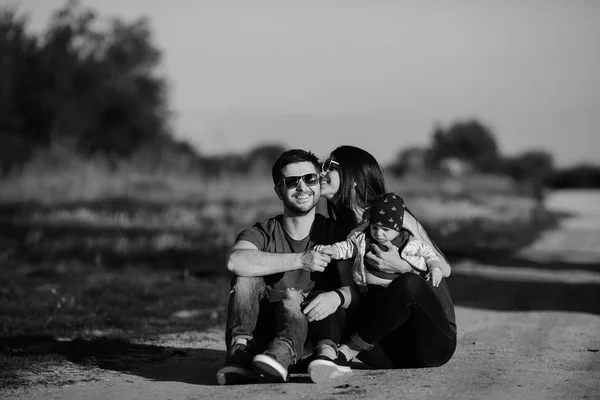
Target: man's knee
(248, 285)
(293, 298)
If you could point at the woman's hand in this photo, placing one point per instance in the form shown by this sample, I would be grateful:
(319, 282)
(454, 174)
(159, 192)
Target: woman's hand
(322, 306)
(388, 261)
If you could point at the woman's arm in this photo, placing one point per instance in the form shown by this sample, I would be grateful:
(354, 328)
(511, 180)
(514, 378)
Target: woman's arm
(420, 233)
(388, 261)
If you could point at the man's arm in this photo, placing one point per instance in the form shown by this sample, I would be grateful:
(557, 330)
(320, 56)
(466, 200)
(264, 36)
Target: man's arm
(245, 259)
(326, 303)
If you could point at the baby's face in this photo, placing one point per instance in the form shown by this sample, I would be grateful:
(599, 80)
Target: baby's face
(382, 234)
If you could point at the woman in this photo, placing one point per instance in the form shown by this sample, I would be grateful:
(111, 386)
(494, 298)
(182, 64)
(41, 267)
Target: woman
(410, 323)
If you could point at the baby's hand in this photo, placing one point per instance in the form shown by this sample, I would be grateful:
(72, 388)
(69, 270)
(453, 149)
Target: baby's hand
(331, 251)
(436, 276)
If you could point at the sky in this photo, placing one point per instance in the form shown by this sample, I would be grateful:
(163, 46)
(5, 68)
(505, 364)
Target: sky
(375, 74)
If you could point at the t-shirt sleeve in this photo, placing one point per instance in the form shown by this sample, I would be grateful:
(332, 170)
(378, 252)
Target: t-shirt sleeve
(255, 235)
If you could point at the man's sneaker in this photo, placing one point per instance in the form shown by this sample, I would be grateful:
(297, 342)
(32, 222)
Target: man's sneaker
(238, 366)
(323, 369)
(272, 369)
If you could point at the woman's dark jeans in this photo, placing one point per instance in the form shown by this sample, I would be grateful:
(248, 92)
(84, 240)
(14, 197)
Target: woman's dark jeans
(404, 326)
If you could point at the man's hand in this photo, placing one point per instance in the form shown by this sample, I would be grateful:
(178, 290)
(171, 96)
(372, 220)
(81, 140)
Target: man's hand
(314, 261)
(322, 306)
(388, 261)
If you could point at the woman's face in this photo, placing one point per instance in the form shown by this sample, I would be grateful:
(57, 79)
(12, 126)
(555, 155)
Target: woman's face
(330, 178)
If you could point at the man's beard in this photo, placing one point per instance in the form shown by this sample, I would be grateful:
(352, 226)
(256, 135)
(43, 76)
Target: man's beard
(301, 209)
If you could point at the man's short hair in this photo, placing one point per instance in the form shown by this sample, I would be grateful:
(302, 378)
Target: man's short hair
(291, 157)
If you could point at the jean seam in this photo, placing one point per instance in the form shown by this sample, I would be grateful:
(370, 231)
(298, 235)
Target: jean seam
(362, 344)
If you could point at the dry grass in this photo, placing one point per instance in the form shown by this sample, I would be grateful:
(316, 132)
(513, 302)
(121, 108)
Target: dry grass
(58, 175)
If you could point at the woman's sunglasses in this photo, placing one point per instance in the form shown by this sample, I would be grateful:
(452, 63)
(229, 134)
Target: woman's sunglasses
(291, 182)
(329, 165)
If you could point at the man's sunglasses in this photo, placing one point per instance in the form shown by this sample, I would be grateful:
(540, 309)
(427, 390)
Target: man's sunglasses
(291, 182)
(329, 165)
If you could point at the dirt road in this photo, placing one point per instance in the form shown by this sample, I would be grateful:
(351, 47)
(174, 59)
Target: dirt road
(501, 355)
(529, 328)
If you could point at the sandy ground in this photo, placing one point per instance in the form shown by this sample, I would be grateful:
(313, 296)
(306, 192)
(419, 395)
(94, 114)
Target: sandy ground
(530, 330)
(501, 355)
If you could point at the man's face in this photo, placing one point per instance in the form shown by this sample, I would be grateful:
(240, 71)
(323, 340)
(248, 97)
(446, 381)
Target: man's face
(302, 198)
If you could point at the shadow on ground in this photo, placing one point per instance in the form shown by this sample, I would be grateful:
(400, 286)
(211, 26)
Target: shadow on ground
(515, 261)
(158, 363)
(495, 293)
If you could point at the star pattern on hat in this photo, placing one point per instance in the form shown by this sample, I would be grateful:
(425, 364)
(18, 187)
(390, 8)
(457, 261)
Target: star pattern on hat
(388, 211)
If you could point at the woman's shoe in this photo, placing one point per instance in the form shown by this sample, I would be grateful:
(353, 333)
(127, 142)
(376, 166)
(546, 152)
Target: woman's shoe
(323, 369)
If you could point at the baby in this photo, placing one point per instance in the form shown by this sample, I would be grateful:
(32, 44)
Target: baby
(386, 224)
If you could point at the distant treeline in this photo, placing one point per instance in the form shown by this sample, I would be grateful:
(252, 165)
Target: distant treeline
(469, 145)
(579, 176)
(96, 89)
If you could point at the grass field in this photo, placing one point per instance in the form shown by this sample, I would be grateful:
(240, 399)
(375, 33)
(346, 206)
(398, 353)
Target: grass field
(113, 269)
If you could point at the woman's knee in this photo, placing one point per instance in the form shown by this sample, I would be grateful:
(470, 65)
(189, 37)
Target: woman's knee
(436, 356)
(408, 283)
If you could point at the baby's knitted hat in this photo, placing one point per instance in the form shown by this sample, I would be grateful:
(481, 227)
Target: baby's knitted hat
(388, 211)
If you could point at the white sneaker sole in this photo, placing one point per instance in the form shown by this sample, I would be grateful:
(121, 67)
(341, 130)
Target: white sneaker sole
(270, 368)
(231, 374)
(322, 371)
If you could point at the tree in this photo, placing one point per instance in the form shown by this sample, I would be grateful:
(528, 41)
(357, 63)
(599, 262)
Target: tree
(409, 159)
(534, 164)
(111, 98)
(469, 141)
(19, 109)
(260, 159)
(97, 88)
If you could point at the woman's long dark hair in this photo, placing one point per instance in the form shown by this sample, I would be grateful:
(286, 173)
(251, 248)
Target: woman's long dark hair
(359, 167)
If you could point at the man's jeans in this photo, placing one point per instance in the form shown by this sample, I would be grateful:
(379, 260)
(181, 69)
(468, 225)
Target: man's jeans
(277, 327)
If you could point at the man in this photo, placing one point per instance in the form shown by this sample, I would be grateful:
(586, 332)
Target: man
(274, 270)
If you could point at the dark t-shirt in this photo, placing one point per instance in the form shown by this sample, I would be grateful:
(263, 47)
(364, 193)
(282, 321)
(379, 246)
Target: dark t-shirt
(270, 236)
